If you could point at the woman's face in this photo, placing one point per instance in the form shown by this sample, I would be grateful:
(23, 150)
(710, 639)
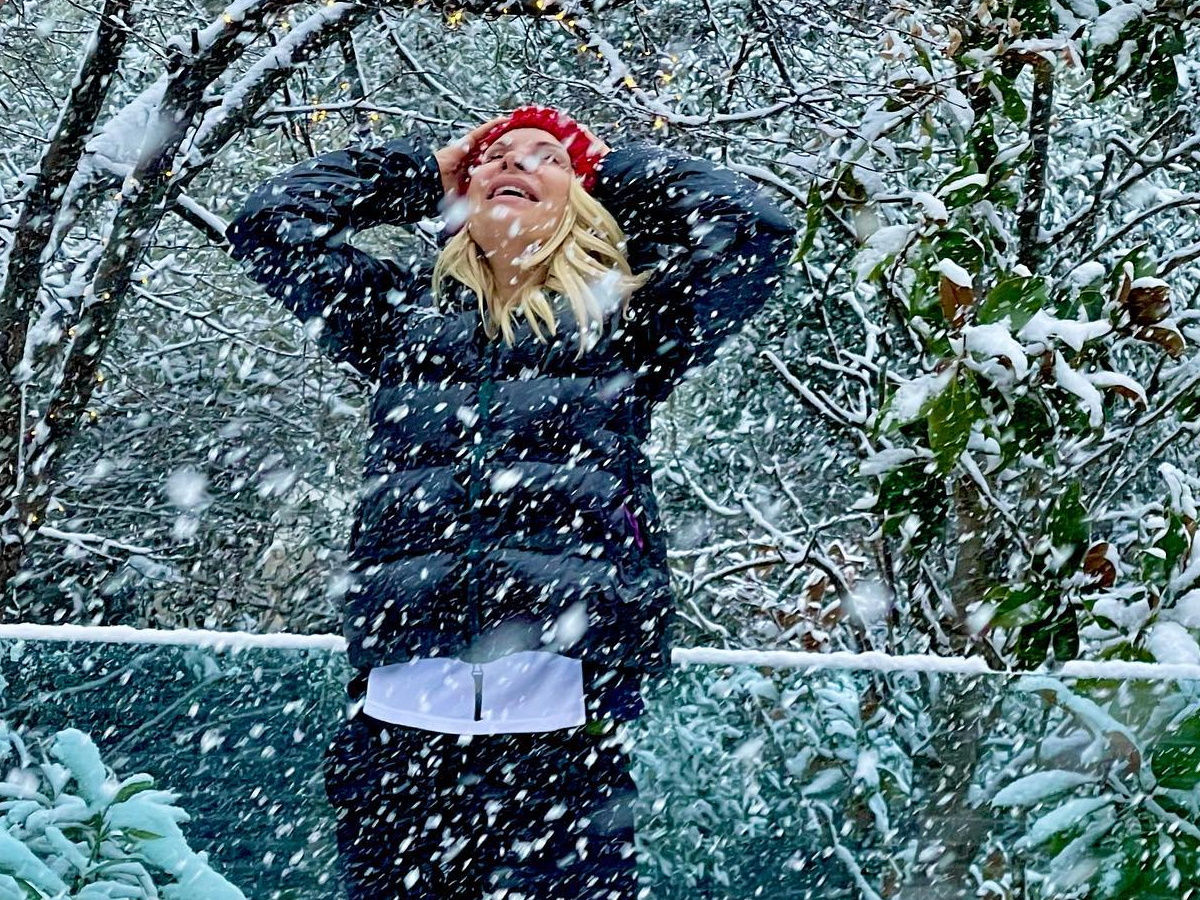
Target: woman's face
(517, 194)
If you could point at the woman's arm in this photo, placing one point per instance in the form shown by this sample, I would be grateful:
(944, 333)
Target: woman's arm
(726, 246)
(292, 232)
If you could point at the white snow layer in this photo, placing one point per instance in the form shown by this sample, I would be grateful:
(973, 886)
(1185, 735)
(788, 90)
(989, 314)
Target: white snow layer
(948, 268)
(909, 401)
(1073, 382)
(995, 341)
(1041, 328)
(778, 659)
(1171, 643)
(1108, 27)
(1186, 610)
(1070, 813)
(1086, 273)
(1031, 790)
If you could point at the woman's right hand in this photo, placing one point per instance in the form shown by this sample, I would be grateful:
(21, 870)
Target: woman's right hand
(452, 158)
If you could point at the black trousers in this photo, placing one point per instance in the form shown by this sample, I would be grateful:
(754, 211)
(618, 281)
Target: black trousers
(542, 816)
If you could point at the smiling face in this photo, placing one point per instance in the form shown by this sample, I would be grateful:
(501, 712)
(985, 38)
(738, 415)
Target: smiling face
(517, 195)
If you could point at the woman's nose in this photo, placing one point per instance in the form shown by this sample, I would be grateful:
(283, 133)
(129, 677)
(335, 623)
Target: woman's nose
(526, 162)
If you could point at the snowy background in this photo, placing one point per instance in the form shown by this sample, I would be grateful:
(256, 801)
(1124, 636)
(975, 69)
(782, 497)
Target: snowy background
(965, 428)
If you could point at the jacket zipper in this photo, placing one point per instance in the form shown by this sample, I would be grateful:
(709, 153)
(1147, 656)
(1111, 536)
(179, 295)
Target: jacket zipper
(474, 551)
(477, 674)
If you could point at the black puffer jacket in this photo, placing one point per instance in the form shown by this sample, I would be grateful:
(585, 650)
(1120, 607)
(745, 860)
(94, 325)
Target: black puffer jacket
(507, 503)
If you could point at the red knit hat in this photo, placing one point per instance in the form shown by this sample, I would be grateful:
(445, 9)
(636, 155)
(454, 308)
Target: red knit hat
(584, 154)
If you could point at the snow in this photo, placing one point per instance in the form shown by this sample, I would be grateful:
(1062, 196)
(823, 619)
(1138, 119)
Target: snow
(1182, 490)
(1033, 789)
(883, 461)
(128, 134)
(954, 272)
(123, 634)
(995, 341)
(1109, 27)
(1147, 282)
(931, 207)
(1088, 272)
(1109, 379)
(280, 57)
(1066, 816)
(1186, 610)
(187, 488)
(910, 399)
(967, 181)
(1128, 616)
(75, 750)
(870, 661)
(959, 107)
(890, 239)
(1075, 383)
(19, 861)
(1171, 643)
(170, 852)
(1042, 328)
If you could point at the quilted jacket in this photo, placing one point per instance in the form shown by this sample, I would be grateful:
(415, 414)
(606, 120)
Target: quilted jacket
(507, 502)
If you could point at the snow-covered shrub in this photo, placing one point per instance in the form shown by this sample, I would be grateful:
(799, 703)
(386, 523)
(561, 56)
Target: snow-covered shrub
(773, 785)
(71, 830)
(1109, 795)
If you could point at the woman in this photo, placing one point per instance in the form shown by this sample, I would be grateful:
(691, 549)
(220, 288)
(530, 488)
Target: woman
(510, 583)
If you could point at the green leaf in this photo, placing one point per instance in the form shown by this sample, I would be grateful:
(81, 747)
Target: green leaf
(952, 414)
(1175, 759)
(1011, 101)
(1164, 80)
(813, 215)
(1159, 563)
(1093, 304)
(911, 490)
(1021, 605)
(139, 835)
(1068, 528)
(1016, 298)
(134, 785)
(1059, 636)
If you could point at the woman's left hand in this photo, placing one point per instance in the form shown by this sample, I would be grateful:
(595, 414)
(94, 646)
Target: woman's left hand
(452, 158)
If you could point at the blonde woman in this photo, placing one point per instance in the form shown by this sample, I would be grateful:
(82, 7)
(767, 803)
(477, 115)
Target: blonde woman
(510, 583)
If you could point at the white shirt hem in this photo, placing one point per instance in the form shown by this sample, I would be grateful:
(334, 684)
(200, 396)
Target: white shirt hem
(440, 724)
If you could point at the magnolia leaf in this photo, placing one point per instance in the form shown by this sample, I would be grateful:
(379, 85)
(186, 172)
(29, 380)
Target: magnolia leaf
(1175, 759)
(1099, 563)
(1166, 336)
(1147, 301)
(956, 300)
(952, 415)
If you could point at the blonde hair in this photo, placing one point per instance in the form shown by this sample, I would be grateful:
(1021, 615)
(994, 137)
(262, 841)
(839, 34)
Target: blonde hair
(587, 265)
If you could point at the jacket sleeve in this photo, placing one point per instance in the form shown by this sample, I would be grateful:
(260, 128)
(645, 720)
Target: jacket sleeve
(292, 232)
(715, 245)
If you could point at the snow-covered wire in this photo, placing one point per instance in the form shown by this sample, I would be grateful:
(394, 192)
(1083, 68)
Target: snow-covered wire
(870, 661)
